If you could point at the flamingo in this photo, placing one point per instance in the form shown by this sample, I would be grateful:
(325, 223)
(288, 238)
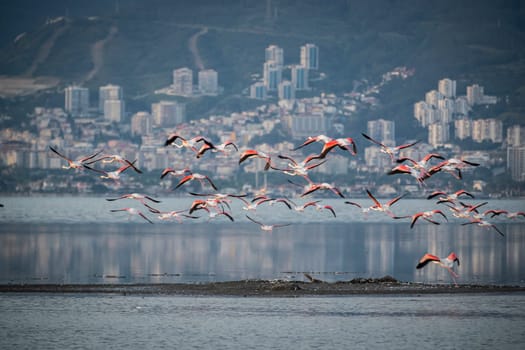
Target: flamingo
(171, 171)
(447, 263)
(253, 153)
(168, 215)
(385, 208)
(449, 197)
(133, 211)
(187, 143)
(216, 148)
(391, 151)
(113, 175)
(427, 215)
(419, 174)
(311, 139)
(322, 186)
(113, 158)
(299, 169)
(137, 196)
(75, 164)
(265, 227)
(483, 223)
(196, 176)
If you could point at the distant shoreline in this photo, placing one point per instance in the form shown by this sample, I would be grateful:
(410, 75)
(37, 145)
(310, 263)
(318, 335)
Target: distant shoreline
(265, 288)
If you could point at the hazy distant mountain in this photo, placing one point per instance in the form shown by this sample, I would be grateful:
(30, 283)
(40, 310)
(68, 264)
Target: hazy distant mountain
(138, 43)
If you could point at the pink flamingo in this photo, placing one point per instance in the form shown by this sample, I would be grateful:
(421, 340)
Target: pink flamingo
(447, 263)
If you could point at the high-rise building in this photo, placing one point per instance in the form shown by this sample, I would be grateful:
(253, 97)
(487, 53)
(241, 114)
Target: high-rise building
(114, 110)
(463, 128)
(383, 131)
(108, 92)
(310, 56)
(274, 53)
(447, 87)
(258, 91)
(302, 125)
(300, 77)
(183, 81)
(475, 94)
(168, 114)
(432, 98)
(516, 162)
(516, 135)
(208, 82)
(77, 101)
(487, 130)
(286, 90)
(272, 75)
(438, 134)
(141, 124)
(461, 106)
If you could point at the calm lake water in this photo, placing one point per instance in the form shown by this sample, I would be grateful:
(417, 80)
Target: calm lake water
(354, 322)
(78, 240)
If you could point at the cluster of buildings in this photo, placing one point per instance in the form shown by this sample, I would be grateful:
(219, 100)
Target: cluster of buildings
(273, 77)
(183, 83)
(80, 129)
(443, 110)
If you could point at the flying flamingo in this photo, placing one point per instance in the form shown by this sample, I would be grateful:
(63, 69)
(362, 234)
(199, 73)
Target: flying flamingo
(427, 215)
(483, 223)
(391, 151)
(265, 227)
(168, 215)
(75, 164)
(196, 176)
(187, 143)
(113, 175)
(133, 211)
(216, 148)
(322, 186)
(171, 171)
(447, 263)
(385, 208)
(298, 168)
(137, 196)
(110, 158)
(253, 153)
(449, 197)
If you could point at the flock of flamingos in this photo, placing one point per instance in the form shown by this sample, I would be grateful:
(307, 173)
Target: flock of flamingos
(215, 204)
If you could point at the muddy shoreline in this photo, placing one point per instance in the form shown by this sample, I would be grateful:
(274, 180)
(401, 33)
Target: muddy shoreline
(265, 288)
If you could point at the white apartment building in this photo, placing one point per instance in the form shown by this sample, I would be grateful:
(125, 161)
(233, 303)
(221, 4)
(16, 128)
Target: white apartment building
(475, 94)
(114, 110)
(77, 101)
(258, 91)
(310, 56)
(438, 134)
(516, 136)
(167, 114)
(108, 92)
(516, 162)
(274, 53)
(300, 77)
(432, 98)
(463, 128)
(383, 131)
(272, 75)
(487, 130)
(141, 124)
(183, 81)
(208, 82)
(286, 90)
(447, 88)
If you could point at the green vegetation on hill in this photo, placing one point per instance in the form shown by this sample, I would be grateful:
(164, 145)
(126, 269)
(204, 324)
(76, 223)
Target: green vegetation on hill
(479, 42)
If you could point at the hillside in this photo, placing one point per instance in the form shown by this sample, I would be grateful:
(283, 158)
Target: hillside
(137, 44)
